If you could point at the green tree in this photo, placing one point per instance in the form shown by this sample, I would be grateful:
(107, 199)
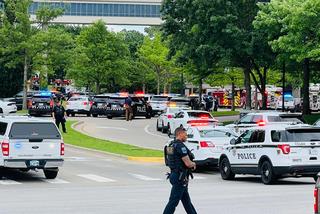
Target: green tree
(100, 58)
(295, 23)
(153, 53)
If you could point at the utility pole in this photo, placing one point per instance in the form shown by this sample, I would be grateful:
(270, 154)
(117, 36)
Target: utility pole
(283, 82)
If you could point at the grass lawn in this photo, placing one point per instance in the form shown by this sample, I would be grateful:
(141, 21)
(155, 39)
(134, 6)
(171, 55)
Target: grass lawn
(225, 113)
(78, 139)
(227, 122)
(22, 112)
(311, 119)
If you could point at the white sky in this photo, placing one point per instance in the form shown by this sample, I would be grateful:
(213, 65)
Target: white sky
(118, 28)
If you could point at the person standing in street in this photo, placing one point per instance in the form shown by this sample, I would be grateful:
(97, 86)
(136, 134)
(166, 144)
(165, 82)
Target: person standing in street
(179, 159)
(59, 115)
(128, 107)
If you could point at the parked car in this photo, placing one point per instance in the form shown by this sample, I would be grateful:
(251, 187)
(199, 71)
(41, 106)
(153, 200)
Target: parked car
(166, 116)
(79, 105)
(7, 107)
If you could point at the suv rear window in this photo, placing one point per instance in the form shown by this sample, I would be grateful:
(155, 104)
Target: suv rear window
(159, 98)
(202, 115)
(3, 128)
(283, 119)
(41, 99)
(117, 99)
(100, 99)
(296, 135)
(78, 99)
(34, 130)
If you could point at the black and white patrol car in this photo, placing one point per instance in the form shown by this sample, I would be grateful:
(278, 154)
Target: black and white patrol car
(40, 104)
(273, 152)
(99, 105)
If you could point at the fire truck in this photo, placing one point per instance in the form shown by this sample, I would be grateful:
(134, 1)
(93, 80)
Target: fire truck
(225, 97)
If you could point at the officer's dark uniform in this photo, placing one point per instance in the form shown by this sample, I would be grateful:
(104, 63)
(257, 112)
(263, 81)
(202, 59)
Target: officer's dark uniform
(59, 112)
(179, 177)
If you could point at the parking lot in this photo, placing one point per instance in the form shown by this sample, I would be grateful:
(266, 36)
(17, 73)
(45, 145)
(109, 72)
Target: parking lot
(92, 182)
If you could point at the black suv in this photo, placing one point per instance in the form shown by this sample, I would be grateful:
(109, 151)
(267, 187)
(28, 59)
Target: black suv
(40, 105)
(99, 105)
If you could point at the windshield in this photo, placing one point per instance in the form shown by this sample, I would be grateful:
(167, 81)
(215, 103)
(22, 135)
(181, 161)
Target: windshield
(159, 98)
(100, 99)
(117, 99)
(283, 119)
(216, 133)
(288, 99)
(78, 99)
(201, 115)
(34, 130)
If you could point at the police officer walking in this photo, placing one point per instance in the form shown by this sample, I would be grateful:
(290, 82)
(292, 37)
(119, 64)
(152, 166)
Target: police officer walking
(59, 115)
(179, 159)
(128, 107)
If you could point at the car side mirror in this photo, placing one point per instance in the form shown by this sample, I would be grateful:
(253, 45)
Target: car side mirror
(233, 141)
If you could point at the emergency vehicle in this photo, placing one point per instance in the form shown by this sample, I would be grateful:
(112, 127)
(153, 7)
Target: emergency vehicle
(29, 144)
(41, 104)
(224, 97)
(314, 94)
(273, 152)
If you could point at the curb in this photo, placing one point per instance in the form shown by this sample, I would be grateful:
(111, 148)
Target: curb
(129, 158)
(146, 159)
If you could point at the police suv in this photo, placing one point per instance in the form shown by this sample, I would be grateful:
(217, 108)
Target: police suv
(273, 152)
(30, 143)
(41, 104)
(256, 119)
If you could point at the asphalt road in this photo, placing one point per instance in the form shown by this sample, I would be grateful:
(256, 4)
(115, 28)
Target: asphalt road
(93, 182)
(140, 132)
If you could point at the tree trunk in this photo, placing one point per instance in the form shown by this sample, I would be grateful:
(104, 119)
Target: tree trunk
(263, 89)
(98, 87)
(283, 83)
(158, 83)
(306, 81)
(144, 88)
(247, 84)
(25, 80)
(232, 97)
(182, 89)
(200, 91)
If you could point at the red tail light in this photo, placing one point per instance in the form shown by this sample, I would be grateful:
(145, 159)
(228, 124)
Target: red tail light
(85, 103)
(169, 116)
(51, 103)
(316, 200)
(62, 149)
(198, 122)
(206, 144)
(91, 103)
(261, 123)
(5, 148)
(285, 148)
(29, 103)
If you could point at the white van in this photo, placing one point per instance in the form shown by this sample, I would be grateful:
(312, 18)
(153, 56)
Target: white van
(30, 143)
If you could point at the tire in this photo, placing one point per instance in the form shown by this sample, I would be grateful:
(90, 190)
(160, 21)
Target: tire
(94, 115)
(225, 170)
(68, 114)
(267, 174)
(109, 117)
(73, 114)
(51, 173)
(158, 128)
(163, 130)
(88, 115)
(315, 178)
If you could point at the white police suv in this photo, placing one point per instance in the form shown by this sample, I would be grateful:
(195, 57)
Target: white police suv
(256, 119)
(30, 143)
(273, 152)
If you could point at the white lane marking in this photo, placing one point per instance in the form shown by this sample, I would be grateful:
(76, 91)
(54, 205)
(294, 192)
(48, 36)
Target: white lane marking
(76, 159)
(6, 181)
(55, 181)
(144, 178)
(96, 178)
(146, 129)
(109, 127)
(199, 178)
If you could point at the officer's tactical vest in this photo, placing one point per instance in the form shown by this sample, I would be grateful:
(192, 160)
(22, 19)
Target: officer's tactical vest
(172, 160)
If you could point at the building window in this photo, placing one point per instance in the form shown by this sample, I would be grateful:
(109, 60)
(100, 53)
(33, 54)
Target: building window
(92, 9)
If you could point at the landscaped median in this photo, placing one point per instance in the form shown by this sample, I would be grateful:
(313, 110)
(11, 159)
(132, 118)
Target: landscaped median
(133, 153)
(225, 113)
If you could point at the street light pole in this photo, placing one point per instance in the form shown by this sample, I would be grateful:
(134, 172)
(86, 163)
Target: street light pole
(283, 83)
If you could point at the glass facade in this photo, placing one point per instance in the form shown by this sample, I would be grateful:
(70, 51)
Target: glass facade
(102, 9)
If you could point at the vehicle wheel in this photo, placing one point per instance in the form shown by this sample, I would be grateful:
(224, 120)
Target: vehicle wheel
(267, 174)
(158, 128)
(73, 114)
(225, 170)
(94, 115)
(51, 173)
(315, 178)
(68, 114)
(109, 117)
(88, 114)
(163, 129)
(169, 130)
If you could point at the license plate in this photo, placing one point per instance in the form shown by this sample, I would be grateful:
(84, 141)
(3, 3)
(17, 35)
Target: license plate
(40, 104)
(114, 106)
(75, 110)
(313, 152)
(34, 163)
(99, 104)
